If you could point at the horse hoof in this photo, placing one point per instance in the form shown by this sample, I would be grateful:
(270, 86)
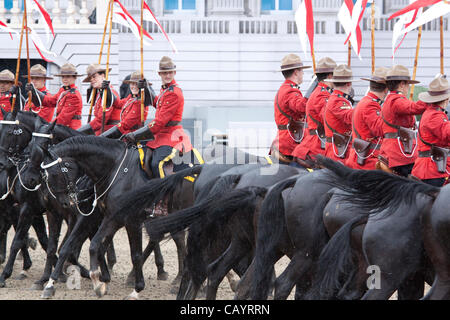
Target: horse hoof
(100, 290)
(37, 286)
(163, 276)
(2, 283)
(32, 243)
(48, 293)
(133, 296)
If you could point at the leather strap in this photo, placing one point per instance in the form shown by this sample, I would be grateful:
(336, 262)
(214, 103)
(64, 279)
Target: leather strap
(425, 154)
(112, 122)
(313, 132)
(172, 123)
(391, 135)
(282, 127)
(76, 117)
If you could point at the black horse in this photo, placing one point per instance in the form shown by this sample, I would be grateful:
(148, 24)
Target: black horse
(436, 240)
(214, 219)
(15, 134)
(392, 209)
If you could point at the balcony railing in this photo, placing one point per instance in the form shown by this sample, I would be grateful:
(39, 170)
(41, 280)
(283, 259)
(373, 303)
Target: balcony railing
(69, 12)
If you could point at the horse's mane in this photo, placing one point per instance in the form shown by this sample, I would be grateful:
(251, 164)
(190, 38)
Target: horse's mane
(88, 145)
(375, 190)
(67, 131)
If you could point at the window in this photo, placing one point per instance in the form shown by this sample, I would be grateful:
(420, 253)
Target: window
(8, 4)
(273, 5)
(179, 4)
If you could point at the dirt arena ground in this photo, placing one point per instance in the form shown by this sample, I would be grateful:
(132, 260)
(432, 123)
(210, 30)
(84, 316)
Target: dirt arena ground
(117, 289)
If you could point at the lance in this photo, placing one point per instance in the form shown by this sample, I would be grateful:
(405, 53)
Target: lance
(349, 58)
(111, 3)
(142, 62)
(27, 46)
(419, 36)
(94, 91)
(16, 80)
(441, 22)
(373, 35)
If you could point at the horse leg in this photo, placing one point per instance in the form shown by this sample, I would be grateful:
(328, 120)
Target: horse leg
(159, 262)
(3, 240)
(218, 269)
(19, 242)
(41, 230)
(54, 226)
(294, 274)
(243, 288)
(412, 288)
(111, 256)
(179, 239)
(108, 226)
(134, 233)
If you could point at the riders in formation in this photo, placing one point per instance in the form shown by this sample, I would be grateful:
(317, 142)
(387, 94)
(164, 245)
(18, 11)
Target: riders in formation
(378, 132)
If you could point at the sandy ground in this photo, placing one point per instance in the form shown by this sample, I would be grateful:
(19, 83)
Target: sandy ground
(117, 290)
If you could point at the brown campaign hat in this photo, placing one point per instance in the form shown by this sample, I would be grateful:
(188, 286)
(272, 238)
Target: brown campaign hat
(342, 73)
(326, 65)
(400, 73)
(38, 71)
(93, 69)
(6, 75)
(292, 61)
(166, 64)
(438, 90)
(134, 78)
(379, 75)
(68, 69)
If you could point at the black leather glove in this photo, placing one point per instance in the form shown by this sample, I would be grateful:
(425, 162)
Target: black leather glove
(86, 129)
(105, 84)
(29, 87)
(14, 90)
(112, 133)
(129, 138)
(142, 84)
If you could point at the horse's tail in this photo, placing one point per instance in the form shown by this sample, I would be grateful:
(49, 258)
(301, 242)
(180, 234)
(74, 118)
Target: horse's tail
(375, 190)
(213, 227)
(181, 219)
(154, 191)
(336, 264)
(271, 226)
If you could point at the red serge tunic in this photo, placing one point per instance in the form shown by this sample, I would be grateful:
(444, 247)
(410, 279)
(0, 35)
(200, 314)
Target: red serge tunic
(68, 103)
(291, 102)
(166, 126)
(338, 115)
(44, 111)
(311, 143)
(369, 125)
(130, 116)
(434, 129)
(112, 114)
(399, 111)
(5, 104)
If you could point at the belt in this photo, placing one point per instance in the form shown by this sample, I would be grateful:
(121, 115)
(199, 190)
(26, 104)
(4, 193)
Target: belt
(282, 127)
(391, 135)
(424, 154)
(313, 132)
(76, 117)
(329, 139)
(172, 123)
(373, 146)
(112, 122)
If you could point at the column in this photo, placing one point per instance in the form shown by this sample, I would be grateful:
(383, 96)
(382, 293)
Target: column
(56, 12)
(70, 13)
(84, 13)
(15, 12)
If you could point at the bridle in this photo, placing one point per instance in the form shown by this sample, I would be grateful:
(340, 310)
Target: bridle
(72, 187)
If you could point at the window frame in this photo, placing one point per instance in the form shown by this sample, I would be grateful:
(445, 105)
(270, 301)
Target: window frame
(277, 10)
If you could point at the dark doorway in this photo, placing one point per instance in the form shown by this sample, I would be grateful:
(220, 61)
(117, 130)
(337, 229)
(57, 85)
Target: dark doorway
(11, 65)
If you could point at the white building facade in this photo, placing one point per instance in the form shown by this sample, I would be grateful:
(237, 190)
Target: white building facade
(229, 51)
